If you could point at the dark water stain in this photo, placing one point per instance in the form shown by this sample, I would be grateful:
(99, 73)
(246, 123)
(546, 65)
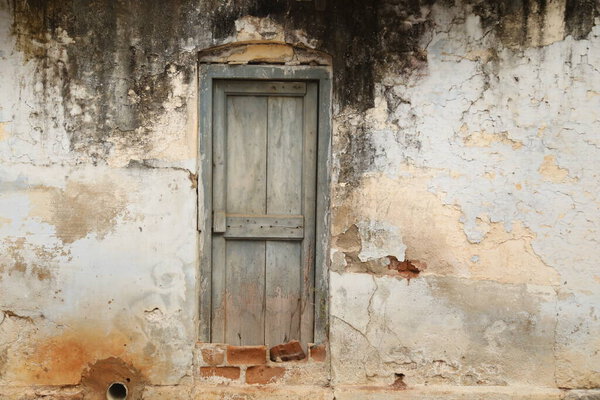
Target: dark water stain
(579, 17)
(107, 66)
(363, 37)
(518, 23)
(117, 43)
(114, 49)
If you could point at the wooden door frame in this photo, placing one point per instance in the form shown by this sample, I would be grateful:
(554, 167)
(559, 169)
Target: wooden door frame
(321, 74)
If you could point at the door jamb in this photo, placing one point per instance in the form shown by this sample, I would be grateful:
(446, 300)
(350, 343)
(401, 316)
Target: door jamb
(320, 74)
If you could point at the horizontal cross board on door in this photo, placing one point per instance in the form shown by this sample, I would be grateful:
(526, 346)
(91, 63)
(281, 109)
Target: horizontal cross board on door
(264, 153)
(273, 227)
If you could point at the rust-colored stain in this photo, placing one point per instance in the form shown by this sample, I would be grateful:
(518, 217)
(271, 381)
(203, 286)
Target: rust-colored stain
(99, 376)
(408, 269)
(62, 359)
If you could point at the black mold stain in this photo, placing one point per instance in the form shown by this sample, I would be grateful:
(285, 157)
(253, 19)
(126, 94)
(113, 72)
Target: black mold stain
(579, 17)
(120, 60)
(362, 36)
(118, 45)
(110, 76)
(356, 157)
(519, 23)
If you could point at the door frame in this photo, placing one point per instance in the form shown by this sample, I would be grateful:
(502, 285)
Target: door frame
(320, 74)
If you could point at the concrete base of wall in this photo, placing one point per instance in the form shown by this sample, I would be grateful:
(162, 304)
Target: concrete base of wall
(293, 392)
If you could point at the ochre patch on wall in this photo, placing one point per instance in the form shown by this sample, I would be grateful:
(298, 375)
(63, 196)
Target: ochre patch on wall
(551, 172)
(79, 209)
(62, 359)
(433, 233)
(16, 259)
(103, 373)
(486, 139)
(3, 132)
(261, 51)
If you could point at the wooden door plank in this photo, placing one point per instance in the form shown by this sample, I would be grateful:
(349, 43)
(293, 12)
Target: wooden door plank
(282, 292)
(245, 292)
(265, 88)
(204, 286)
(309, 180)
(322, 227)
(246, 143)
(284, 196)
(284, 166)
(282, 227)
(219, 289)
(246, 158)
(218, 280)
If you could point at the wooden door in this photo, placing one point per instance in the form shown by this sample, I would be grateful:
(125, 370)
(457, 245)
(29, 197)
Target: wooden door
(264, 188)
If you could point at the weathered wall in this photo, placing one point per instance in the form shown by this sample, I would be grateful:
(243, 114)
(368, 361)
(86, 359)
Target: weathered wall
(464, 202)
(480, 168)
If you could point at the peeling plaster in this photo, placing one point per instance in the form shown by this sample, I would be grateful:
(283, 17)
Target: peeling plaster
(480, 167)
(464, 144)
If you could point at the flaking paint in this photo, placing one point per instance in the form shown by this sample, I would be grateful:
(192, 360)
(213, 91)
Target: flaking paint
(464, 141)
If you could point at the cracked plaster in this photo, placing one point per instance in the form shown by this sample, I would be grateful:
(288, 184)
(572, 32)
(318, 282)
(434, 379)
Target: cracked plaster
(475, 156)
(482, 167)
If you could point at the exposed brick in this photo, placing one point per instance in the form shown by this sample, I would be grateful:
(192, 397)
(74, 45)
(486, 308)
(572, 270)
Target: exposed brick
(262, 374)
(399, 383)
(246, 355)
(213, 355)
(223, 372)
(318, 352)
(287, 351)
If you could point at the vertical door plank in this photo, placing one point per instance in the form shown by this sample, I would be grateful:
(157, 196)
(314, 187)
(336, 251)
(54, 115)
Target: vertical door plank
(321, 276)
(309, 184)
(246, 154)
(282, 286)
(284, 196)
(246, 164)
(218, 202)
(245, 292)
(284, 186)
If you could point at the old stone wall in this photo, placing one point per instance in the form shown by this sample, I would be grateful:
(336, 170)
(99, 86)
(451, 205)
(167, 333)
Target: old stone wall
(464, 212)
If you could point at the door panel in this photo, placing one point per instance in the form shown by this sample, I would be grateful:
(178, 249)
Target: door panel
(245, 313)
(284, 152)
(283, 302)
(264, 185)
(245, 156)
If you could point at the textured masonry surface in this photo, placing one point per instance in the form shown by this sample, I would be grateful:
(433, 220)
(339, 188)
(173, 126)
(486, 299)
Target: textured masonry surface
(464, 215)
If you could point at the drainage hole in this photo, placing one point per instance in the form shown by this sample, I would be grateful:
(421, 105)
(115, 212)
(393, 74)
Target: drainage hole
(116, 391)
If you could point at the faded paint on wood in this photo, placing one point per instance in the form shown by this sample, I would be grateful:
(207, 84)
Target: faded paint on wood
(218, 248)
(274, 227)
(284, 196)
(309, 189)
(264, 185)
(246, 140)
(245, 292)
(210, 77)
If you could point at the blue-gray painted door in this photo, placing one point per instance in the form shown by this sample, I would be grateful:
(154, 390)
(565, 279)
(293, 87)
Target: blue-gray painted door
(264, 188)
